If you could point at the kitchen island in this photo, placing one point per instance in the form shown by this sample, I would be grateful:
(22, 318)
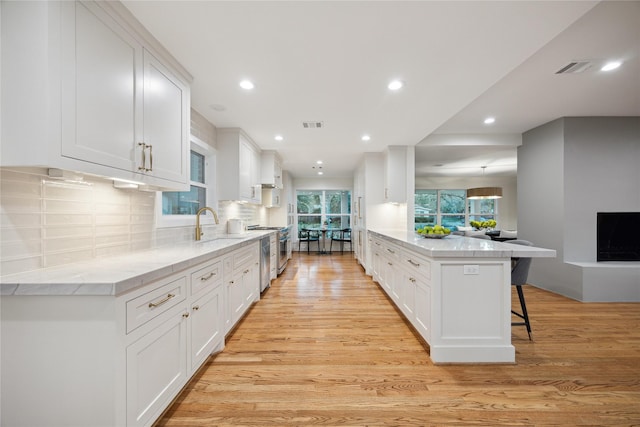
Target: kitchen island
(110, 342)
(455, 291)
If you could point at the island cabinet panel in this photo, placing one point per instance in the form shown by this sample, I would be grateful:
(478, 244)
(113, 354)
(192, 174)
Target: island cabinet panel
(459, 305)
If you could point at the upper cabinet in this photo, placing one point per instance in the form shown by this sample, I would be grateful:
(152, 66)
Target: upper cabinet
(271, 169)
(99, 96)
(395, 174)
(238, 170)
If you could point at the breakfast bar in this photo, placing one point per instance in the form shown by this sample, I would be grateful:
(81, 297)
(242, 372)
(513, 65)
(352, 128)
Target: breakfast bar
(455, 291)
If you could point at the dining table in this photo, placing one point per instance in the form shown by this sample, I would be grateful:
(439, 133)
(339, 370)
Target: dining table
(323, 239)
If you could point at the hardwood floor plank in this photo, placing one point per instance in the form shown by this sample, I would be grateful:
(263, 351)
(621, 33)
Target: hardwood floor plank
(325, 346)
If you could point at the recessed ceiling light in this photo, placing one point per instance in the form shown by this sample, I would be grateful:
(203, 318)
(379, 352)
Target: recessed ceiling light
(319, 162)
(278, 138)
(612, 65)
(489, 120)
(247, 85)
(366, 138)
(395, 85)
(320, 173)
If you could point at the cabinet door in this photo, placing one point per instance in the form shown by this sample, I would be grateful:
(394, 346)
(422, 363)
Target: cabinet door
(206, 326)
(101, 91)
(246, 159)
(407, 295)
(236, 299)
(422, 309)
(156, 370)
(251, 283)
(165, 123)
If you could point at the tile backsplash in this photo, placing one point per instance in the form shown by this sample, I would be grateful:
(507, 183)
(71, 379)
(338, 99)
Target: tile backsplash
(46, 222)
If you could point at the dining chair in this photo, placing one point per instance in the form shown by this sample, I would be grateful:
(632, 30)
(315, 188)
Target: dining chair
(308, 236)
(519, 274)
(342, 236)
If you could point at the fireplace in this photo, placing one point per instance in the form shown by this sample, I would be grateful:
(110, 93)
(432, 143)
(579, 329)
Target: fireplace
(618, 236)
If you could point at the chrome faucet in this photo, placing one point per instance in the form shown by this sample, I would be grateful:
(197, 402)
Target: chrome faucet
(198, 228)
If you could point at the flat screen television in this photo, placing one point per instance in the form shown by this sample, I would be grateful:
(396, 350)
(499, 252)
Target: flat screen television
(618, 236)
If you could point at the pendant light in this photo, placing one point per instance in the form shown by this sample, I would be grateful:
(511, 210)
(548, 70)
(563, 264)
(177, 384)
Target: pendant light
(484, 192)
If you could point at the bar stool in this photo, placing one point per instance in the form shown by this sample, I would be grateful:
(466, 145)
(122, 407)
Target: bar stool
(519, 274)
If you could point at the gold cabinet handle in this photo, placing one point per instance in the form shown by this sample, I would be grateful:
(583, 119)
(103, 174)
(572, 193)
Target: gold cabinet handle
(412, 280)
(196, 307)
(389, 263)
(150, 158)
(144, 157)
(246, 271)
(207, 277)
(415, 264)
(393, 252)
(162, 301)
(185, 315)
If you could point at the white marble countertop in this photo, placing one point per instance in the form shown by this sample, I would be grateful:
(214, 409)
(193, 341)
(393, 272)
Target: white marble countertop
(454, 246)
(116, 275)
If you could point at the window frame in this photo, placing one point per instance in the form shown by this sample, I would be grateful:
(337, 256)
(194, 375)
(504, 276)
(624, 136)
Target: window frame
(209, 153)
(323, 214)
(468, 215)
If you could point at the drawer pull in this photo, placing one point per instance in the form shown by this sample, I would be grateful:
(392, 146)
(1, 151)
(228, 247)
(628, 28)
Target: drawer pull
(185, 315)
(393, 252)
(415, 264)
(412, 280)
(196, 307)
(389, 263)
(207, 277)
(162, 301)
(246, 271)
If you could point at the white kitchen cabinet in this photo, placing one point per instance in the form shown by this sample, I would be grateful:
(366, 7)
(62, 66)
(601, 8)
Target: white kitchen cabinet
(116, 104)
(271, 169)
(271, 197)
(395, 174)
(207, 326)
(238, 171)
(242, 277)
(156, 369)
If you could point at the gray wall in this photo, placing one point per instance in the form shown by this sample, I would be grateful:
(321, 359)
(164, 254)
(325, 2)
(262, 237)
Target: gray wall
(568, 170)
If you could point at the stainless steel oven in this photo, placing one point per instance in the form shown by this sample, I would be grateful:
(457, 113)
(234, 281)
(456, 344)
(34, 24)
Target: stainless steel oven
(284, 240)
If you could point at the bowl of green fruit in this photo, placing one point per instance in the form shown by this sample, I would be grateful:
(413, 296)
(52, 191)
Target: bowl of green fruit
(435, 232)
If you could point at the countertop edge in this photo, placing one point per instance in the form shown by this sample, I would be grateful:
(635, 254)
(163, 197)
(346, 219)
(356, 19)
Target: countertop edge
(121, 274)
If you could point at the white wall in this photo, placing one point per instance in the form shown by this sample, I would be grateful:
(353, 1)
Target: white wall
(568, 170)
(507, 206)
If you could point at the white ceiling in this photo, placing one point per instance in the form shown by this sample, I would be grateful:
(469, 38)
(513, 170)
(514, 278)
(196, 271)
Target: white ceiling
(330, 61)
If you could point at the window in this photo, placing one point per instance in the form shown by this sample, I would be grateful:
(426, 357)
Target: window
(318, 208)
(450, 208)
(178, 208)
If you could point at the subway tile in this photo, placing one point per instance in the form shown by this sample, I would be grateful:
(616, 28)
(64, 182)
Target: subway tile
(65, 206)
(20, 248)
(71, 231)
(67, 244)
(68, 257)
(20, 204)
(10, 234)
(20, 265)
(23, 189)
(66, 219)
(114, 219)
(107, 230)
(17, 219)
(111, 250)
(110, 240)
(67, 191)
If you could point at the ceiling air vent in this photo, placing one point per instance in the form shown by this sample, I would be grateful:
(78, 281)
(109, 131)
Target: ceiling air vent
(312, 125)
(575, 67)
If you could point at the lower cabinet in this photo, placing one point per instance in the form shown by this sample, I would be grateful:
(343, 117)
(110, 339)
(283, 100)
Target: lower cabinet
(118, 361)
(406, 278)
(156, 369)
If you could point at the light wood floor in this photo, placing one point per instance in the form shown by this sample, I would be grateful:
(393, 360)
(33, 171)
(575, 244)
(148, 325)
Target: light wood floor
(326, 347)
